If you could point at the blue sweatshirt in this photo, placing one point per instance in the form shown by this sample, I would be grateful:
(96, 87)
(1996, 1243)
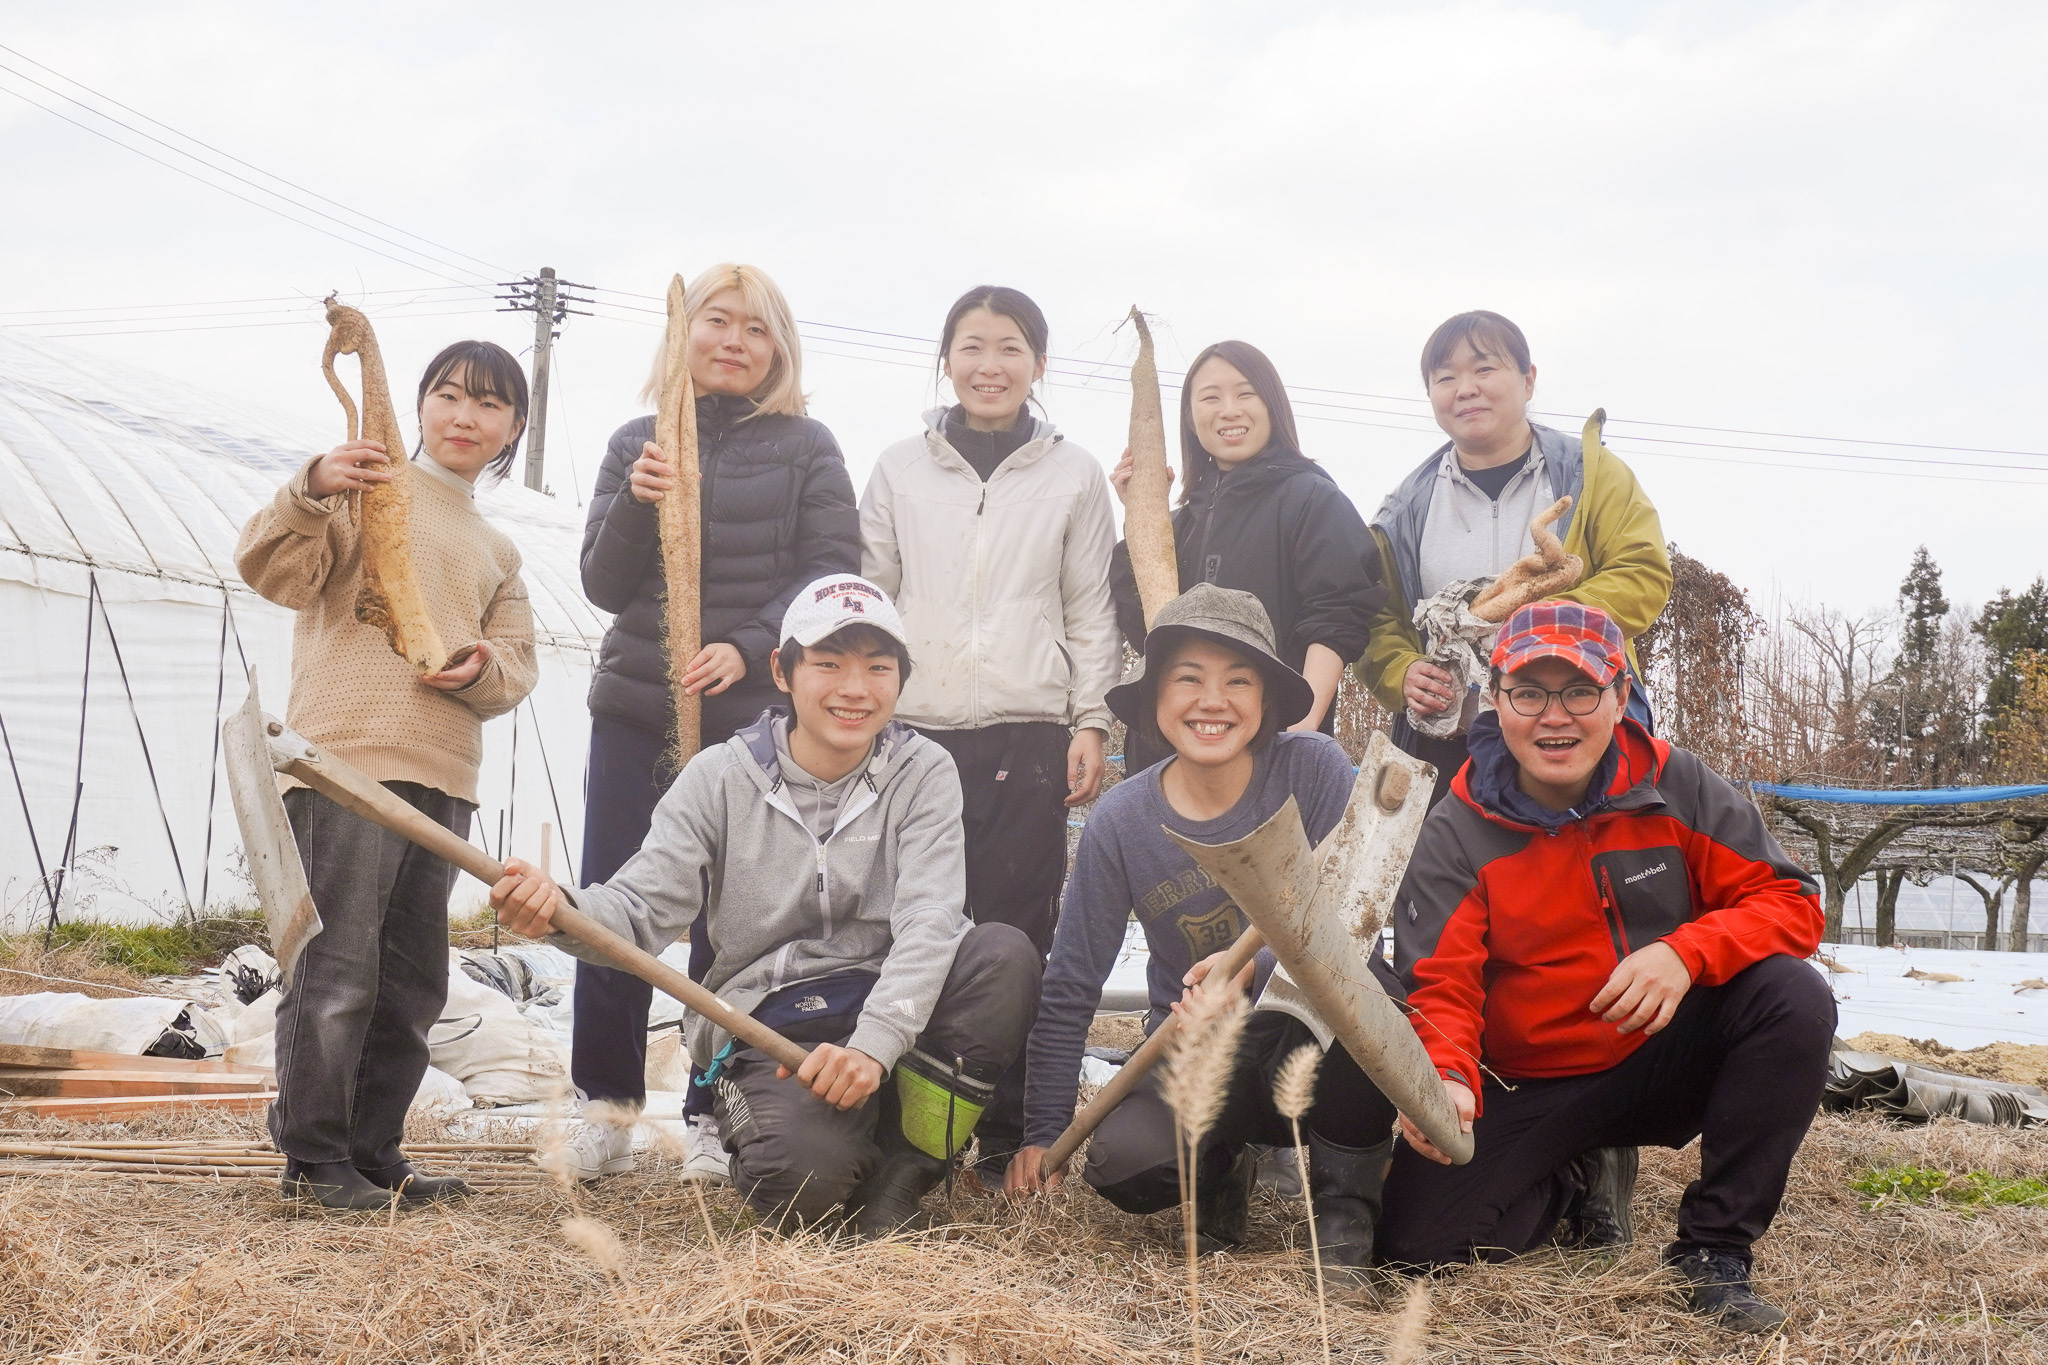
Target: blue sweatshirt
(1127, 864)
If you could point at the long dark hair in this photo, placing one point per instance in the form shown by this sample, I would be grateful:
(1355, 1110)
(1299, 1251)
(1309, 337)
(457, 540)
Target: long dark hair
(1251, 362)
(1004, 302)
(488, 371)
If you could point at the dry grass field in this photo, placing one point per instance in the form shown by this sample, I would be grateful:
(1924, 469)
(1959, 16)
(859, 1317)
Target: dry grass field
(109, 1269)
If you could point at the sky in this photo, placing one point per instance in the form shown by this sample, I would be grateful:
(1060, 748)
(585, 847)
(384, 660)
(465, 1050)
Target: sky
(1827, 222)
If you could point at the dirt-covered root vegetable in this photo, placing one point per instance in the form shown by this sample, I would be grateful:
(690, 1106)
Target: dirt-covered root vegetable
(680, 516)
(1543, 572)
(1148, 525)
(389, 598)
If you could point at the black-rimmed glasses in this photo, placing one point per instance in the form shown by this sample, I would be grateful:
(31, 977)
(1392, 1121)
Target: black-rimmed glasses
(1580, 699)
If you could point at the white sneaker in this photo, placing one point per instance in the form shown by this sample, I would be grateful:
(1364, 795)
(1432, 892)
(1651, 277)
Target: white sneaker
(707, 1160)
(584, 1149)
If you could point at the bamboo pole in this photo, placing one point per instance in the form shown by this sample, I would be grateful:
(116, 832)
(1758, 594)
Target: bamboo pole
(1148, 524)
(680, 514)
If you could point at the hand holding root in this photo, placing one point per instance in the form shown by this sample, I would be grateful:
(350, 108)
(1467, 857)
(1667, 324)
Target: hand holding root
(525, 900)
(351, 467)
(652, 474)
(1461, 1100)
(462, 670)
(1426, 688)
(715, 668)
(1543, 572)
(1022, 1177)
(843, 1077)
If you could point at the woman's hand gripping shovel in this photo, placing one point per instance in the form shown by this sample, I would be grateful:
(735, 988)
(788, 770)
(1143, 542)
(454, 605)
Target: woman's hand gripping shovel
(257, 747)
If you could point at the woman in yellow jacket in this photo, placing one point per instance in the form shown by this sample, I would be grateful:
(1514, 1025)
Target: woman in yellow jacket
(1465, 512)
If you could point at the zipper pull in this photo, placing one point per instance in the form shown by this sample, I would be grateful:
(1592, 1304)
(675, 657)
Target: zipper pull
(984, 500)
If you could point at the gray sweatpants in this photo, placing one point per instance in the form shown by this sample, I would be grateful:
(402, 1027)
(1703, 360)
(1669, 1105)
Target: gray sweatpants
(795, 1156)
(352, 1027)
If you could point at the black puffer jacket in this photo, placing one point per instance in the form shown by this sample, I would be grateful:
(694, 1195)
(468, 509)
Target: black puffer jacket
(1279, 528)
(778, 512)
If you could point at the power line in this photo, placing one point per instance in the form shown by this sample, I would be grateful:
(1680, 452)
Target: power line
(268, 175)
(224, 303)
(242, 326)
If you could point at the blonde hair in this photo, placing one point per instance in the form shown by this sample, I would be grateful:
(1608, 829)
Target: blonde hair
(782, 392)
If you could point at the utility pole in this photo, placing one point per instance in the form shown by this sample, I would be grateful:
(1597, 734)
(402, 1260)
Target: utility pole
(547, 299)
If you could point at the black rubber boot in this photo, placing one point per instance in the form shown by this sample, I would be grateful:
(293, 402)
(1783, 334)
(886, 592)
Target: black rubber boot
(1717, 1286)
(1601, 1217)
(411, 1186)
(1223, 1205)
(1347, 1185)
(892, 1198)
(332, 1185)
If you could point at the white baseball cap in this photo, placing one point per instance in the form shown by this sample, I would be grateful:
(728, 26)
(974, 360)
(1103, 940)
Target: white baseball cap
(836, 601)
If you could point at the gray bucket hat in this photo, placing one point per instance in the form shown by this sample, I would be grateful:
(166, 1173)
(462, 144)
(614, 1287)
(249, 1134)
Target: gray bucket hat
(1235, 620)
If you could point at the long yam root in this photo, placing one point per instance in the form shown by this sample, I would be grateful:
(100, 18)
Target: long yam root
(389, 598)
(1148, 525)
(1543, 572)
(680, 517)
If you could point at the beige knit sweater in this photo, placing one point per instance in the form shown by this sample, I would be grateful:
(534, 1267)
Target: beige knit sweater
(350, 692)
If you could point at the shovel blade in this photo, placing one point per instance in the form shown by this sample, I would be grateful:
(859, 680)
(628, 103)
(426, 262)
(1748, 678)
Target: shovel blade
(267, 841)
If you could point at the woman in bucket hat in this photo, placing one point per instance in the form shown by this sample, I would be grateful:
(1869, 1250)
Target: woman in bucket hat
(1212, 688)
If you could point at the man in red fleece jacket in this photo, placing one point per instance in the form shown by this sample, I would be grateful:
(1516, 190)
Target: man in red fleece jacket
(1602, 946)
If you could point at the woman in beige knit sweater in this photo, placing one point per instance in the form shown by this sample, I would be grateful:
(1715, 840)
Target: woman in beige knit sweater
(352, 1027)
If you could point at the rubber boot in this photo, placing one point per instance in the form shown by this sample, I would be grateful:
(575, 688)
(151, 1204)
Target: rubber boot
(1347, 1185)
(892, 1198)
(937, 1104)
(411, 1186)
(332, 1185)
(1223, 1205)
(1601, 1217)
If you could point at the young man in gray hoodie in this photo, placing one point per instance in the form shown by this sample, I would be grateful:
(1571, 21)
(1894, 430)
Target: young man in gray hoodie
(826, 845)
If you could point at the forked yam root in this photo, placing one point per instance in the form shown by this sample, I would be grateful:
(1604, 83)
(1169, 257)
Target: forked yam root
(389, 597)
(679, 514)
(1543, 572)
(1148, 525)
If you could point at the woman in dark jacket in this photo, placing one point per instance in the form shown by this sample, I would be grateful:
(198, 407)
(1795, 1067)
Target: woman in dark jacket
(778, 512)
(1258, 516)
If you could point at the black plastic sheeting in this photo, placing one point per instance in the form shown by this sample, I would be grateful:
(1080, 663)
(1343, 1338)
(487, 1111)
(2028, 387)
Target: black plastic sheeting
(1868, 1080)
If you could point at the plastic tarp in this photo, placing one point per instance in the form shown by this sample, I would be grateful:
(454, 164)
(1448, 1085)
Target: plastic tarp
(129, 1025)
(1925, 796)
(1865, 1080)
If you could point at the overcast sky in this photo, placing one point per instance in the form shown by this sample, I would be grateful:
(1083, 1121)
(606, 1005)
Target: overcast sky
(1823, 220)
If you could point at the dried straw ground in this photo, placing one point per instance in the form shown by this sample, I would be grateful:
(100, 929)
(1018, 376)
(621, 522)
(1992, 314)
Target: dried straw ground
(111, 1270)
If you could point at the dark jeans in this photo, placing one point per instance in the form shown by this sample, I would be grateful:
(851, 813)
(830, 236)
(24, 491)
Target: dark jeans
(1013, 789)
(627, 779)
(1131, 1162)
(1740, 1067)
(794, 1154)
(352, 1026)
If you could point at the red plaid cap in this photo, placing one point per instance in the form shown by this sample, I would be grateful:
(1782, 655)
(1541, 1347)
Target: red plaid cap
(1584, 637)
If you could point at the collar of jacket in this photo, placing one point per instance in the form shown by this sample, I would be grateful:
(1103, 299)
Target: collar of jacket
(1401, 516)
(719, 413)
(1626, 778)
(1273, 465)
(1044, 436)
(757, 741)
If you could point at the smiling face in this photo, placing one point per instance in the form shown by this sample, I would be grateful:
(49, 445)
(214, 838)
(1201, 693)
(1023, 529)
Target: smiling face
(992, 369)
(1557, 751)
(461, 431)
(730, 351)
(1482, 402)
(1231, 420)
(1210, 702)
(841, 694)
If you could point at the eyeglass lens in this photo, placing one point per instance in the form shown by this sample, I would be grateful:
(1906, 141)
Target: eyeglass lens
(1580, 699)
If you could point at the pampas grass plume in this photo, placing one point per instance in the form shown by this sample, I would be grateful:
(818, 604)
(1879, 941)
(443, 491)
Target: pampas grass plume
(1404, 1346)
(1198, 1069)
(1295, 1089)
(598, 1242)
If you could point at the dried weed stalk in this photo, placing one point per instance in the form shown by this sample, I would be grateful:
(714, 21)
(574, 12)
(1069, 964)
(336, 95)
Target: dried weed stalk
(1294, 1090)
(1404, 1345)
(1198, 1068)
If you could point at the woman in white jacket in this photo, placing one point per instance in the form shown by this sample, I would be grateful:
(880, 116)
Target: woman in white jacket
(993, 533)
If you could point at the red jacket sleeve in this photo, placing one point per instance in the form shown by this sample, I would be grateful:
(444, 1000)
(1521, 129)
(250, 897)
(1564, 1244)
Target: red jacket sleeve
(1440, 925)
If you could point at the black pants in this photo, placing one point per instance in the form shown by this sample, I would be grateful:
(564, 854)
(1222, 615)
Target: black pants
(794, 1154)
(1013, 787)
(352, 1026)
(1131, 1161)
(627, 779)
(1740, 1066)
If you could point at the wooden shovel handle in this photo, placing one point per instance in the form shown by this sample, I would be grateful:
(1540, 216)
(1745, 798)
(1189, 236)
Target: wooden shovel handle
(353, 791)
(1143, 1060)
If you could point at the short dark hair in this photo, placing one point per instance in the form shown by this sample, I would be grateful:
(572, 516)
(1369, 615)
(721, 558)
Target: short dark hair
(1148, 709)
(1489, 333)
(487, 370)
(1004, 302)
(854, 639)
(1251, 362)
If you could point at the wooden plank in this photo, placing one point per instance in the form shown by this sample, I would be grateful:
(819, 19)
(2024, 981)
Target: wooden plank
(93, 1110)
(41, 1084)
(15, 1056)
